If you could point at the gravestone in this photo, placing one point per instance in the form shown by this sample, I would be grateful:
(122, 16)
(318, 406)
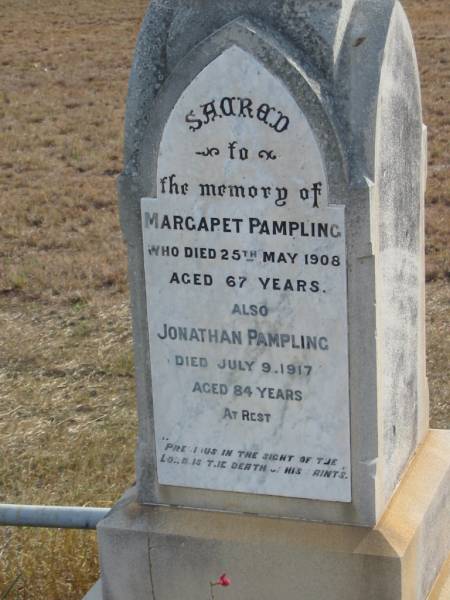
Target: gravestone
(272, 204)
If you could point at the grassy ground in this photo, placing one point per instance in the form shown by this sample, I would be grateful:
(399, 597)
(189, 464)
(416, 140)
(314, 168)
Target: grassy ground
(67, 418)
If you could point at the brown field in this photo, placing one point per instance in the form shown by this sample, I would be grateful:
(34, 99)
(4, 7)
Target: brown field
(67, 415)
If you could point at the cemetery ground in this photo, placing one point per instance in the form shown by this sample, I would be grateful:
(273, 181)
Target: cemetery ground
(67, 409)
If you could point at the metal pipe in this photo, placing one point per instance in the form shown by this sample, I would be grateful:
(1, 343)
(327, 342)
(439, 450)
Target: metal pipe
(66, 517)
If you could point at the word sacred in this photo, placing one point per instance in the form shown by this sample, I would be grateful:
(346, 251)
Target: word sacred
(232, 106)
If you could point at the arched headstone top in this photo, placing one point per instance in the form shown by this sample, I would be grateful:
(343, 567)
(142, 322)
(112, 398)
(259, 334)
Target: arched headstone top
(242, 107)
(245, 42)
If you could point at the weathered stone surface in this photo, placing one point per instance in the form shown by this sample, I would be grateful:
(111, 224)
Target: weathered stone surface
(337, 61)
(180, 550)
(399, 176)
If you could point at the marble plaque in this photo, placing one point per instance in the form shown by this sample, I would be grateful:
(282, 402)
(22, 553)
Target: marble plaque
(245, 269)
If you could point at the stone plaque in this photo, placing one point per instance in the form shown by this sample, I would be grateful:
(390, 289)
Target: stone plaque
(245, 269)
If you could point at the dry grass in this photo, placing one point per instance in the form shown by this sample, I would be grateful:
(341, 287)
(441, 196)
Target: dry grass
(431, 24)
(67, 416)
(67, 419)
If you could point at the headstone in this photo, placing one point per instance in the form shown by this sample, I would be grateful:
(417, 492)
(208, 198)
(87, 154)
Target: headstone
(272, 202)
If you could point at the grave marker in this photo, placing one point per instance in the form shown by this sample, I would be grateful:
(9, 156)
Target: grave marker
(272, 202)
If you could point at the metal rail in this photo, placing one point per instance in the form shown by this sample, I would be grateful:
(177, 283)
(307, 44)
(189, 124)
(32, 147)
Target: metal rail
(65, 517)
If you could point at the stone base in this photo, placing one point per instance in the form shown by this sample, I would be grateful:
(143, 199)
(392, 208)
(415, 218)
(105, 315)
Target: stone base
(95, 593)
(441, 589)
(168, 553)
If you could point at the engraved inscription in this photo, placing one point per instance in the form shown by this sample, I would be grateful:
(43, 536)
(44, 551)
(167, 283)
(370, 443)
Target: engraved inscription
(245, 267)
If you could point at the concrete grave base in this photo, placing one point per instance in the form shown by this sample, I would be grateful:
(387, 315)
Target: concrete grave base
(441, 589)
(95, 593)
(170, 553)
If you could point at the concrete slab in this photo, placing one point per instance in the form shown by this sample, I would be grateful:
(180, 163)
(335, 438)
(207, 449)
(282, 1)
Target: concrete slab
(95, 593)
(441, 589)
(172, 553)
